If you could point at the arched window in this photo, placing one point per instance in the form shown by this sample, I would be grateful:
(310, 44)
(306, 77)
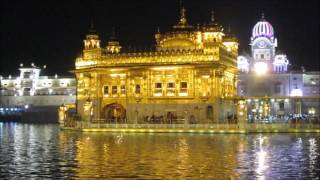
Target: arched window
(137, 90)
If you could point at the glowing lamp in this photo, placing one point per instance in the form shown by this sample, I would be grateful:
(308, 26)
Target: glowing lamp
(312, 111)
(183, 94)
(296, 92)
(261, 68)
(157, 94)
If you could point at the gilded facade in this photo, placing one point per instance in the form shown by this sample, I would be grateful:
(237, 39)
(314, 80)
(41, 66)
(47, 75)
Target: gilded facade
(191, 77)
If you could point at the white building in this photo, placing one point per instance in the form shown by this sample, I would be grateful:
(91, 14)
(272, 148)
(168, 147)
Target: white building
(263, 52)
(31, 88)
(265, 74)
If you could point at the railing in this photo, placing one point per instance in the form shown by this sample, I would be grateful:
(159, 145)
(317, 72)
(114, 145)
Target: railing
(84, 124)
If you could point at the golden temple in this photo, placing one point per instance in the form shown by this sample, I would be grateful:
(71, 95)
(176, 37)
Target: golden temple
(191, 77)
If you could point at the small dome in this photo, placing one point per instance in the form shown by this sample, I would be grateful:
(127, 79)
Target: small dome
(213, 26)
(262, 29)
(229, 36)
(243, 64)
(242, 60)
(281, 59)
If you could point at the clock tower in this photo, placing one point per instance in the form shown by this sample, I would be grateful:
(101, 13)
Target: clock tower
(263, 45)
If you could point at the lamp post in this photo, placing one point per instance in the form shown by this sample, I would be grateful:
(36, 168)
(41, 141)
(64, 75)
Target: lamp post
(311, 113)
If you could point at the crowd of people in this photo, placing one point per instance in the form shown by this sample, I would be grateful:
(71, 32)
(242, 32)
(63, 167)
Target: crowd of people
(287, 118)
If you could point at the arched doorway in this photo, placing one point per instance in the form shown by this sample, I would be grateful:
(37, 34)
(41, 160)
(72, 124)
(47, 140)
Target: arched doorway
(114, 113)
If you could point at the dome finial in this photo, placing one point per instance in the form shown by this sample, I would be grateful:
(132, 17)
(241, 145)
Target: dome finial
(158, 29)
(113, 36)
(262, 16)
(113, 45)
(91, 24)
(183, 18)
(113, 33)
(92, 29)
(212, 15)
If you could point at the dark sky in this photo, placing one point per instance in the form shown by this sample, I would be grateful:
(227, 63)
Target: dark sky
(52, 32)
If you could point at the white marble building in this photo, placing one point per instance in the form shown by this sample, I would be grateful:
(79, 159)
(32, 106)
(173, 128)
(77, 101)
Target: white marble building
(265, 74)
(32, 88)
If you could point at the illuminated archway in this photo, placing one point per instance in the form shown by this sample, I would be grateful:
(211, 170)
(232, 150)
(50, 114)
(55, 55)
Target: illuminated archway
(114, 113)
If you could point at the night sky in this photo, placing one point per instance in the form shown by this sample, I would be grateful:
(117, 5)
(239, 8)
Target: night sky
(52, 32)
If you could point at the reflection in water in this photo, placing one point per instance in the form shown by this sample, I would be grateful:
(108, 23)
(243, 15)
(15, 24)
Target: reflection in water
(313, 153)
(156, 155)
(261, 158)
(29, 151)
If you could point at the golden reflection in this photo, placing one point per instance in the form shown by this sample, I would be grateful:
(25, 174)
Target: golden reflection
(141, 156)
(183, 156)
(90, 155)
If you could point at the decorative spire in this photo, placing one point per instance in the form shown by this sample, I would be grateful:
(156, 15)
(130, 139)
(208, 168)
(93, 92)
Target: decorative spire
(113, 35)
(230, 36)
(113, 45)
(91, 24)
(262, 16)
(158, 35)
(212, 15)
(183, 18)
(92, 29)
(213, 24)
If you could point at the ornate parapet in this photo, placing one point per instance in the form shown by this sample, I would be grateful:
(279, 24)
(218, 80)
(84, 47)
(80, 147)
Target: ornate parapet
(150, 58)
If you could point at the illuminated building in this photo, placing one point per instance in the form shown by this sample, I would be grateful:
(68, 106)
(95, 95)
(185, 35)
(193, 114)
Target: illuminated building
(191, 77)
(30, 88)
(263, 52)
(265, 77)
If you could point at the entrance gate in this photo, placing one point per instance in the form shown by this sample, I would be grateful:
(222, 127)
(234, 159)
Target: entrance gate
(114, 113)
